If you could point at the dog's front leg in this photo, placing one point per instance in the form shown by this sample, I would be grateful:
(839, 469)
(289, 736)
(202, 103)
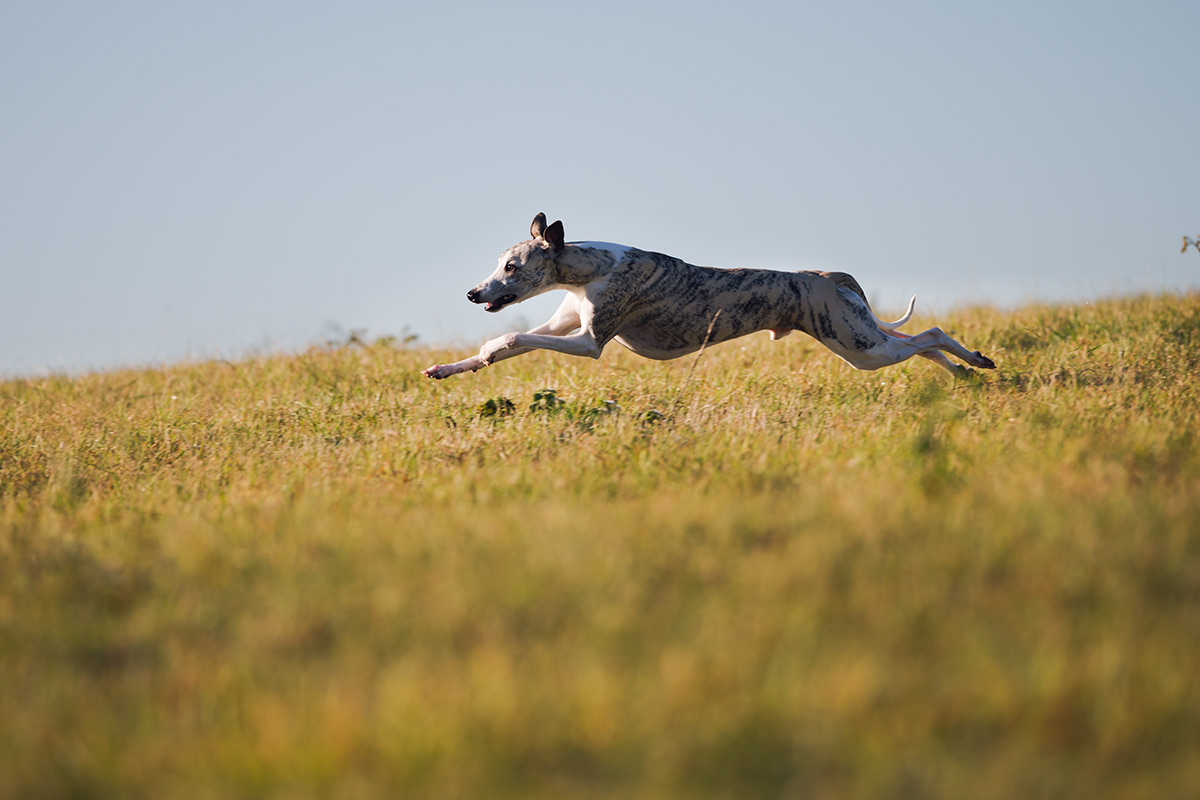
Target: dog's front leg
(564, 320)
(500, 348)
(440, 371)
(492, 351)
(514, 344)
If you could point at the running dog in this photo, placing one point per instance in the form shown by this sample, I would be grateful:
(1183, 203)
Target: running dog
(661, 307)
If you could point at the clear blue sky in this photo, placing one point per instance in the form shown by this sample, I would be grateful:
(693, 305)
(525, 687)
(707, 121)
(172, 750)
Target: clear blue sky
(211, 179)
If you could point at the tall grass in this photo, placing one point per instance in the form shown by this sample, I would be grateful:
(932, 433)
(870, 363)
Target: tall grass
(326, 576)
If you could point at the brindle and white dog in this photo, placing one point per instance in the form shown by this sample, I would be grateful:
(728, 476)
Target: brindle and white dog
(661, 307)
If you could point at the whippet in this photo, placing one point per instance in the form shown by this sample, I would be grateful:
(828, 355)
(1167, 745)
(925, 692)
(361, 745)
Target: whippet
(661, 307)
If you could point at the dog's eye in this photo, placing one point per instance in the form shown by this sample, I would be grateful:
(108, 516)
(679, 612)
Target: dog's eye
(510, 268)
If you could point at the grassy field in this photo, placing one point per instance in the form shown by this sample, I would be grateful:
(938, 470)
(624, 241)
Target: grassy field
(326, 576)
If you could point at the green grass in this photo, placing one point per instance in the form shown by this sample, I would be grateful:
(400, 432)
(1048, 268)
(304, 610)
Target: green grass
(326, 576)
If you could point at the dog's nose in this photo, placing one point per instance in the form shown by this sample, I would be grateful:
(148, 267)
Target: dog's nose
(473, 295)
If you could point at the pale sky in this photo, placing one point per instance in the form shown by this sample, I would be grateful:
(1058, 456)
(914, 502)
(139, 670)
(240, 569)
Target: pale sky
(195, 180)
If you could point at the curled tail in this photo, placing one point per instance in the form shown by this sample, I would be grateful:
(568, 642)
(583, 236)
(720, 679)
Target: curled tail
(891, 326)
(847, 282)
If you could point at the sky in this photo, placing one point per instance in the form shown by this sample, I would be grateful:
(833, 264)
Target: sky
(184, 181)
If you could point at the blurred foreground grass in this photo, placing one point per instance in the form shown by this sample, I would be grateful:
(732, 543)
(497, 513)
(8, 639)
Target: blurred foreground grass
(325, 576)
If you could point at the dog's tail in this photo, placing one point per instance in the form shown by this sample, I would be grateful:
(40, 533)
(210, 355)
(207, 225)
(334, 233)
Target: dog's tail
(845, 281)
(891, 326)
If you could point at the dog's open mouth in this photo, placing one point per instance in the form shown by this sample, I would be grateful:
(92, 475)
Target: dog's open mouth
(496, 305)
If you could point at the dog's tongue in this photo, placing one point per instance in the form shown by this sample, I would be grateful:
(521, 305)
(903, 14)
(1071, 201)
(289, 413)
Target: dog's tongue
(496, 305)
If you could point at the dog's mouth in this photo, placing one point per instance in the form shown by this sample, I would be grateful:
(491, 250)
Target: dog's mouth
(496, 305)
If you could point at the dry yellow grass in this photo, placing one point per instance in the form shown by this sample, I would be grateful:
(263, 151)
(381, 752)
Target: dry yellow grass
(325, 576)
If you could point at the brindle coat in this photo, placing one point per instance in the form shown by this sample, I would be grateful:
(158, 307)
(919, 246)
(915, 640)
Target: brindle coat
(661, 307)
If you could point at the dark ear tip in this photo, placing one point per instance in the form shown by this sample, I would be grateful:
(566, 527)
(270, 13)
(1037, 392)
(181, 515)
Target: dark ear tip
(538, 226)
(554, 235)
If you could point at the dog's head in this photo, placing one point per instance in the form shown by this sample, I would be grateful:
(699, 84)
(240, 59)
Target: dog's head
(525, 269)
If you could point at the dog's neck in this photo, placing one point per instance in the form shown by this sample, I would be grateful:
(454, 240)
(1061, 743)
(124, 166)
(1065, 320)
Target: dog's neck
(580, 263)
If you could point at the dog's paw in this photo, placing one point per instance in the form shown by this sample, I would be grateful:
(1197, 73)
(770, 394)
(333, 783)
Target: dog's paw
(982, 361)
(439, 371)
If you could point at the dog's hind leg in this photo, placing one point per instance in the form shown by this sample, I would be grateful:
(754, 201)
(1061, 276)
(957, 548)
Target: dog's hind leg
(936, 356)
(867, 342)
(939, 358)
(935, 339)
(932, 344)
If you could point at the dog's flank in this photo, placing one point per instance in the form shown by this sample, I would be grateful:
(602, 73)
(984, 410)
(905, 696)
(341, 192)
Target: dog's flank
(661, 307)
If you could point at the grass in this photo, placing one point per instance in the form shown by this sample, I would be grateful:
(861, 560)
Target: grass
(326, 576)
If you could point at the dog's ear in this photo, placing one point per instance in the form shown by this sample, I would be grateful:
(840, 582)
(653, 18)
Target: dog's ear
(554, 235)
(538, 228)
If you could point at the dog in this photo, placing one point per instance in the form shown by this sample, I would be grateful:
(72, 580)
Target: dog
(662, 308)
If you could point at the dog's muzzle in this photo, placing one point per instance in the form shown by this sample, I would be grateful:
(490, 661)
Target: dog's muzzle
(494, 305)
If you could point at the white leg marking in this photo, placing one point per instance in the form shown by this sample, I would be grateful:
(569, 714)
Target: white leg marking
(514, 344)
(440, 371)
(564, 320)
